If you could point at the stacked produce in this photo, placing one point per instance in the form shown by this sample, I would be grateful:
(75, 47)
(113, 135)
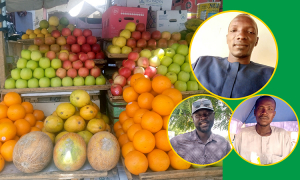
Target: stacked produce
(17, 119)
(191, 26)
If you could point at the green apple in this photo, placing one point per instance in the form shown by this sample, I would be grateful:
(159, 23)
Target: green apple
(21, 83)
(218, 164)
(26, 74)
(175, 46)
(44, 62)
(169, 52)
(44, 82)
(180, 85)
(36, 55)
(21, 63)
(26, 54)
(159, 52)
(192, 77)
(10, 83)
(200, 87)
(154, 61)
(145, 53)
(50, 72)
(100, 80)
(32, 65)
(89, 81)
(183, 76)
(196, 166)
(39, 73)
(55, 82)
(166, 61)
(187, 58)
(15, 73)
(182, 49)
(161, 69)
(172, 76)
(192, 86)
(33, 83)
(67, 81)
(78, 81)
(185, 67)
(174, 68)
(126, 50)
(56, 63)
(179, 59)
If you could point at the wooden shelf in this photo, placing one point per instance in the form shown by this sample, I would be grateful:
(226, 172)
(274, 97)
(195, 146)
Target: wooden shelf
(110, 55)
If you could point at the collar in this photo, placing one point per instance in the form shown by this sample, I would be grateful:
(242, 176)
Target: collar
(195, 137)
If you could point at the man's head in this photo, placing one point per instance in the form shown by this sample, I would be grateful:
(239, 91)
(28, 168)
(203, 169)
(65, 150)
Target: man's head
(242, 36)
(203, 115)
(265, 110)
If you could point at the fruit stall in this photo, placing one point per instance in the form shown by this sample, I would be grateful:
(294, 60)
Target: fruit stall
(78, 101)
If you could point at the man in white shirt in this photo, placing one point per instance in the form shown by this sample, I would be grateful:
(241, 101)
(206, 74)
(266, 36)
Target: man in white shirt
(262, 143)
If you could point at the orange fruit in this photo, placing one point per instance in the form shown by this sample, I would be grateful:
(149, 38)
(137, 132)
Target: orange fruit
(136, 162)
(0, 144)
(153, 93)
(123, 139)
(174, 94)
(2, 102)
(123, 117)
(152, 121)
(16, 112)
(163, 105)
(117, 126)
(142, 85)
(12, 98)
(31, 119)
(131, 108)
(137, 118)
(16, 138)
(145, 100)
(130, 95)
(7, 131)
(135, 77)
(5, 120)
(132, 130)
(162, 140)
(7, 150)
(38, 114)
(28, 107)
(177, 162)
(128, 147)
(127, 124)
(161, 83)
(34, 129)
(3, 111)
(39, 124)
(166, 123)
(158, 160)
(23, 127)
(2, 162)
(144, 141)
(119, 132)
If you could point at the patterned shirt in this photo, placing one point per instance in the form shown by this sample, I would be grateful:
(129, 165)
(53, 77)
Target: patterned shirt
(190, 147)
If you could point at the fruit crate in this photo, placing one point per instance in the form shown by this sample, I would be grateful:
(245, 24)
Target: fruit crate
(114, 108)
(117, 56)
(211, 173)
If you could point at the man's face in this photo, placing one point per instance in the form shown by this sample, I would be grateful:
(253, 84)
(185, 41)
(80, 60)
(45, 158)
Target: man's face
(242, 36)
(265, 112)
(203, 120)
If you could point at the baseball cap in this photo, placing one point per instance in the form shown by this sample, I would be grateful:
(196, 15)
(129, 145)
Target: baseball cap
(202, 104)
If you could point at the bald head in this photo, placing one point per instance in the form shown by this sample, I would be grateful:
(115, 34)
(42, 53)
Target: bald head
(245, 16)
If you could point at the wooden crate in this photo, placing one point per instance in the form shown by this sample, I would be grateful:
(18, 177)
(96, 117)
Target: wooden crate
(117, 56)
(114, 108)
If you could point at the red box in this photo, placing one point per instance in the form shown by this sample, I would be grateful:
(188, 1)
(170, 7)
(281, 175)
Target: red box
(115, 19)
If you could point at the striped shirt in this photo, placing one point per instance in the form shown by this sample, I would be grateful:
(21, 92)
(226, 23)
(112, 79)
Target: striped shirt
(190, 147)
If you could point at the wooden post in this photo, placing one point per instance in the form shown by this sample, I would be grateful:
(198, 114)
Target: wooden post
(2, 56)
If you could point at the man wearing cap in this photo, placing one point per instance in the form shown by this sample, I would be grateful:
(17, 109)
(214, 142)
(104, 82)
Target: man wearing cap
(201, 146)
(234, 76)
(262, 143)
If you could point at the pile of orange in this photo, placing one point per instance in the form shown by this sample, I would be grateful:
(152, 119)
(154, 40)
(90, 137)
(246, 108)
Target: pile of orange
(141, 129)
(17, 118)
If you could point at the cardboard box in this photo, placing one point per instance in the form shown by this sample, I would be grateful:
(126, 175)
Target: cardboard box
(156, 5)
(115, 18)
(172, 21)
(176, 4)
(206, 10)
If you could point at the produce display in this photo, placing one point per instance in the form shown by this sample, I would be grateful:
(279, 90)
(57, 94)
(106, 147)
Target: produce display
(191, 26)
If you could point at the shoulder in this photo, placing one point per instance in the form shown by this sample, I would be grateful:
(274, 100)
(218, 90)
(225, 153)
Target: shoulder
(247, 130)
(262, 67)
(279, 130)
(182, 137)
(208, 60)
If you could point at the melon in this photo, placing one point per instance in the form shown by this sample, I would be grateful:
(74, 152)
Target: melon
(33, 152)
(70, 152)
(80, 98)
(103, 151)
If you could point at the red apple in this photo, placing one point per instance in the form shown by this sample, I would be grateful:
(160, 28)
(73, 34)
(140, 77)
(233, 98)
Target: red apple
(67, 65)
(125, 71)
(121, 80)
(134, 56)
(71, 40)
(171, 42)
(150, 71)
(123, 62)
(66, 47)
(131, 43)
(61, 40)
(142, 43)
(49, 40)
(39, 41)
(140, 70)
(55, 48)
(100, 55)
(140, 27)
(128, 80)
(86, 48)
(146, 35)
(162, 43)
(75, 48)
(91, 40)
(176, 36)
(95, 71)
(89, 64)
(77, 32)
(182, 42)
(126, 86)
(152, 43)
(143, 62)
(44, 48)
(72, 73)
(61, 72)
(66, 32)
(136, 35)
(73, 57)
(111, 81)
(115, 74)
(83, 72)
(77, 64)
(166, 35)
(80, 53)
(96, 48)
(51, 55)
(81, 40)
(116, 90)
(129, 64)
(156, 35)
(87, 32)
(156, 76)
(137, 49)
(63, 56)
(83, 57)
(55, 33)
(91, 55)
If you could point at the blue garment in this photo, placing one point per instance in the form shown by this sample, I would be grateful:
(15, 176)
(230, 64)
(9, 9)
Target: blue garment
(231, 80)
